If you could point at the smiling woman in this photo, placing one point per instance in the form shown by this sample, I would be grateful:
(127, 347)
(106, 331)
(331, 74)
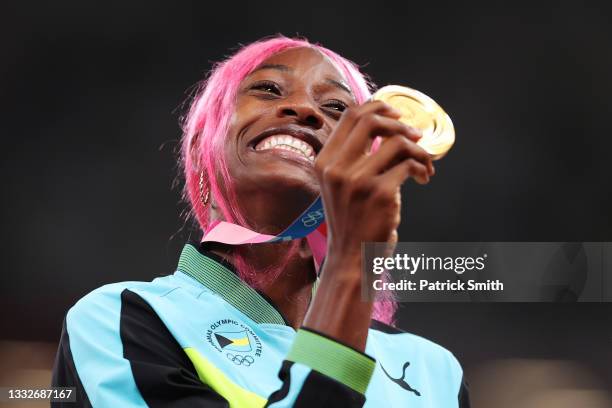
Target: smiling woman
(274, 126)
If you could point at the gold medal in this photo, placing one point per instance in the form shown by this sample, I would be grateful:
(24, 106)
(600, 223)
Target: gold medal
(422, 112)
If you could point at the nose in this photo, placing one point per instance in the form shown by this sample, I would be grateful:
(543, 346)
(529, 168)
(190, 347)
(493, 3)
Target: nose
(304, 112)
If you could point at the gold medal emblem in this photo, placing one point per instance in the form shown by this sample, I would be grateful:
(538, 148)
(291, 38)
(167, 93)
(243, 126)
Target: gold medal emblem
(422, 112)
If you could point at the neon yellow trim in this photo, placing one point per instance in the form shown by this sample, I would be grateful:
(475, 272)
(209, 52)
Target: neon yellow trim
(241, 342)
(335, 360)
(213, 377)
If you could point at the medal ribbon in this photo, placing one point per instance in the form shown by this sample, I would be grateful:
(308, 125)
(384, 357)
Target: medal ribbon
(310, 224)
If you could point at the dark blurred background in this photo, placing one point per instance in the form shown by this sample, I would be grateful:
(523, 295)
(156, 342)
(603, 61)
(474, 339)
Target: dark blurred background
(91, 95)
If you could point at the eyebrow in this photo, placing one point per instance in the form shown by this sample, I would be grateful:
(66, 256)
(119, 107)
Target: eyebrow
(339, 85)
(278, 67)
(285, 68)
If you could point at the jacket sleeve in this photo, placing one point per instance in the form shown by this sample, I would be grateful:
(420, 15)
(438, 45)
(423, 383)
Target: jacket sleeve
(321, 372)
(117, 352)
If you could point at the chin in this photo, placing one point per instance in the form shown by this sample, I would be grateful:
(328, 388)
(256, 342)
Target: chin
(293, 186)
(276, 197)
(287, 168)
(283, 177)
(295, 182)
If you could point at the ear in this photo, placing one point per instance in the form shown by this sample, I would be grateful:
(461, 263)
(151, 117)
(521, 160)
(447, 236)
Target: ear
(214, 213)
(193, 150)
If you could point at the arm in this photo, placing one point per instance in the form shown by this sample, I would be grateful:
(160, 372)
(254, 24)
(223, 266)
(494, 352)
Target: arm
(360, 193)
(360, 196)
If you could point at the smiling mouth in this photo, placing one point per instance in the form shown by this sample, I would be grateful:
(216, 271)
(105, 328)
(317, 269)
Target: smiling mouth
(287, 143)
(298, 141)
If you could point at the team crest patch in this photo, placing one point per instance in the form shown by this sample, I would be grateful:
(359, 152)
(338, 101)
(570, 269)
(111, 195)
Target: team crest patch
(235, 340)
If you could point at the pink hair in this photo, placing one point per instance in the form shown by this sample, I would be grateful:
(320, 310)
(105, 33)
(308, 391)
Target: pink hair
(206, 125)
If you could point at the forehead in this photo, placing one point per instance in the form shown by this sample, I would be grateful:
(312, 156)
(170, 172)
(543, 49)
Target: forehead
(304, 61)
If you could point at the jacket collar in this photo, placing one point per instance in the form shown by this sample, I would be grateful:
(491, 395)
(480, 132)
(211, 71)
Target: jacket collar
(220, 277)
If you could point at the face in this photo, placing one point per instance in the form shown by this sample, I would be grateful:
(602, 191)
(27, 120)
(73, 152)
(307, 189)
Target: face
(285, 112)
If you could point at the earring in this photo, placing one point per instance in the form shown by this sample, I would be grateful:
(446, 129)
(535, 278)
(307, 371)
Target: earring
(203, 197)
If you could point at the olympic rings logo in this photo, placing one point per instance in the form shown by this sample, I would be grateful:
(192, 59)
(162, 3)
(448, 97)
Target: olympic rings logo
(311, 218)
(240, 360)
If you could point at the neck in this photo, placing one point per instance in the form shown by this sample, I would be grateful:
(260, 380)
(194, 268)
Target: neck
(290, 271)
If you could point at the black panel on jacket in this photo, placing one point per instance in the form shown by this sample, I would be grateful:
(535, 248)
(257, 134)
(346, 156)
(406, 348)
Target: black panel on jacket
(163, 373)
(317, 391)
(65, 374)
(464, 396)
(322, 391)
(285, 376)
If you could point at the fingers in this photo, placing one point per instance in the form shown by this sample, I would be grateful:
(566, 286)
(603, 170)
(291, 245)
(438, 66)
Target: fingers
(396, 175)
(349, 120)
(352, 174)
(394, 150)
(371, 126)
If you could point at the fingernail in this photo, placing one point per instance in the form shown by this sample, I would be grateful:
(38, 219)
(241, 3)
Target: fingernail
(414, 131)
(395, 111)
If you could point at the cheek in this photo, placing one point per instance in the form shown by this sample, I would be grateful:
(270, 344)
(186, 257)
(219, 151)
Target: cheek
(247, 111)
(234, 123)
(250, 110)
(239, 123)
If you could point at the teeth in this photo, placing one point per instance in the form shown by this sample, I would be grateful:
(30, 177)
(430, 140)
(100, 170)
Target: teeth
(289, 143)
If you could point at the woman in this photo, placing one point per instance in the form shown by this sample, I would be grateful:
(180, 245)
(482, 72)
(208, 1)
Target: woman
(275, 125)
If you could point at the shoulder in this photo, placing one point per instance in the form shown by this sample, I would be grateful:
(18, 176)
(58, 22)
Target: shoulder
(400, 340)
(167, 296)
(115, 333)
(378, 328)
(394, 347)
(104, 303)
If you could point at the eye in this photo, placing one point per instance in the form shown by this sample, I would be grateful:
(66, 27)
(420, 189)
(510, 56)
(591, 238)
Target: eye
(335, 105)
(266, 87)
